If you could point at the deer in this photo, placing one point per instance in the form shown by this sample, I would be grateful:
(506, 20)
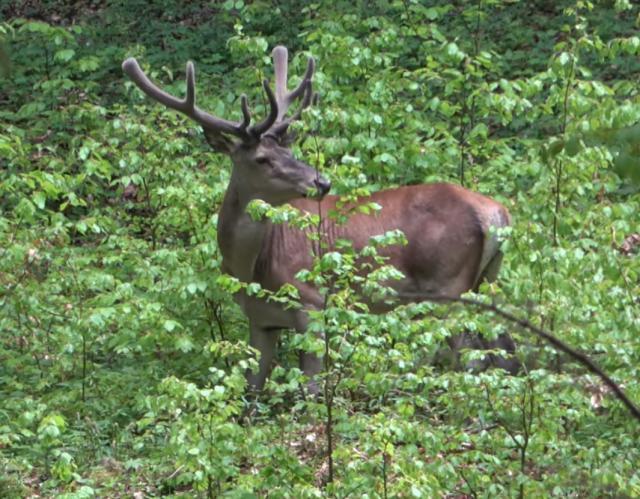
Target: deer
(451, 247)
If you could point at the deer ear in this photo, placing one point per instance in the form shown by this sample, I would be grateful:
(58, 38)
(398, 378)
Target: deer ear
(220, 142)
(288, 138)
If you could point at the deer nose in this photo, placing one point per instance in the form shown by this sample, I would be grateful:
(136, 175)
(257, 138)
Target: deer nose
(323, 185)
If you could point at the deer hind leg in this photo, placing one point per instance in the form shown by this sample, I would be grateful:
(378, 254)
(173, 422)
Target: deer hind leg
(490, 272)
(473, 341)
(310, 363)
(464, 340)
(264, 340)
(502, 342)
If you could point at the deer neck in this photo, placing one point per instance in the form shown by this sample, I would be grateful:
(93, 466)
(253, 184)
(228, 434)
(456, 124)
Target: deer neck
(240, 238)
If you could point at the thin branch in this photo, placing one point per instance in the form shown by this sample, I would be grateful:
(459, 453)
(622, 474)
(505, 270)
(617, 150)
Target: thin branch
(545, 335)
(329, 391)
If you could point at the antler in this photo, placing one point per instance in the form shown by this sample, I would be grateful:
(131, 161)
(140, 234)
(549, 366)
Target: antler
(285, 98)
(188, 106)
(274, 124)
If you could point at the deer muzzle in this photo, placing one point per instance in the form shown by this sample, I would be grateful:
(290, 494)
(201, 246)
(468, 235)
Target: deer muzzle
(323, 186)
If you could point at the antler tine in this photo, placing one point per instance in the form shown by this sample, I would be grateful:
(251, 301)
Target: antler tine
(308, 98)
(258, 129)
(246, 113)
(280, 65)
(284, 97)
(187, 105)
(308, 76)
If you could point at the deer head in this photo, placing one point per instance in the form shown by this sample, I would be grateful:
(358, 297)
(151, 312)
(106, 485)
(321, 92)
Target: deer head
(264, 166)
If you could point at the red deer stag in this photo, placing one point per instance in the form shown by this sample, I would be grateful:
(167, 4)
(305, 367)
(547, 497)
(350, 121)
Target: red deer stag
(451, 243)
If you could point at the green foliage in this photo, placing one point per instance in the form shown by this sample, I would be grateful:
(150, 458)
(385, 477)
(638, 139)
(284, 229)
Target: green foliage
(122, 353)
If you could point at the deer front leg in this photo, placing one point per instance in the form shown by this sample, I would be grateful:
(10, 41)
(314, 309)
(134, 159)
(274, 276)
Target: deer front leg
(310, 364)
(264, 340)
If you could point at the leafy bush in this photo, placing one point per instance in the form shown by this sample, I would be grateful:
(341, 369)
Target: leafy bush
(122, 352)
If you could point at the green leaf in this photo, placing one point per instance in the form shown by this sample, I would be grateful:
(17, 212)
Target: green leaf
(39, 199)
(184, 344)
(555, 147)
(64, 55)
(573, 146)
(36, 27)
(454, 53)
(87, 64)
(564, 58)
(169, 325)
